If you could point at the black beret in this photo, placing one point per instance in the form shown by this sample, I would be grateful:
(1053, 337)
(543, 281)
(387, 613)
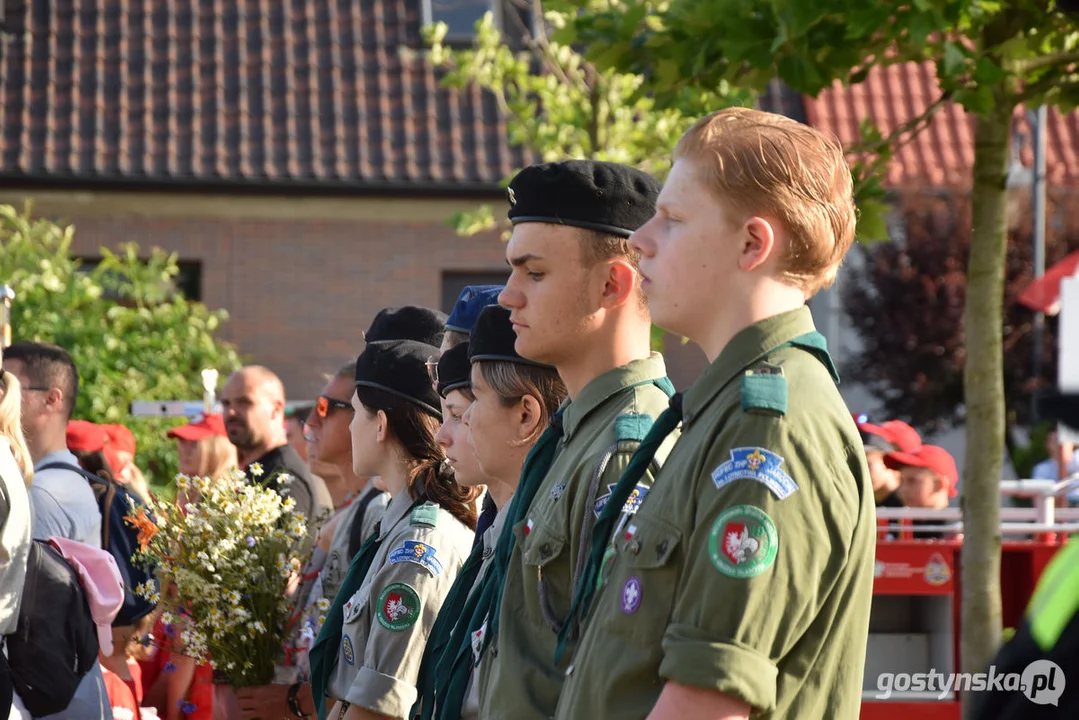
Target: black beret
(454, 369)
(399, 367)
(407, 323)
(493, 338)
(602, 196)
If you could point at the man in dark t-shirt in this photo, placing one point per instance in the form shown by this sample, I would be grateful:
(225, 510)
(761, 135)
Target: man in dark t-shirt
(253, 405)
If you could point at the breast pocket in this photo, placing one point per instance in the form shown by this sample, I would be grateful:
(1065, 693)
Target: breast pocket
(544, 547)
(643, 579)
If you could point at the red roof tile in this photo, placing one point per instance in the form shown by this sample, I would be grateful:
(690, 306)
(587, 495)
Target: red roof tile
(321, 91)
(322, 94)
(942, 155)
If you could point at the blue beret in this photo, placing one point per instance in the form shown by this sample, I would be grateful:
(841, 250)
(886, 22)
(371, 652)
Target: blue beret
(467, 308)
(602, 196)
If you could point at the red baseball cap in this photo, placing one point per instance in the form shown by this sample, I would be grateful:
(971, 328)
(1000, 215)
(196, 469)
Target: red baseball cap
(83, 436)
(203, 426)
(120, 440)
(898, 434)
(929, 457)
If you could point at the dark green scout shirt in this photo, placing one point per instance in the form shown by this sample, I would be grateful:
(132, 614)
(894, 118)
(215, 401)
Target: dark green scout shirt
(518, 679)
(749, 566)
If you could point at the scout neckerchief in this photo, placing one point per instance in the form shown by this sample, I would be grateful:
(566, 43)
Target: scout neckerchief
(323, 653)
(449, 615)
(812, 342)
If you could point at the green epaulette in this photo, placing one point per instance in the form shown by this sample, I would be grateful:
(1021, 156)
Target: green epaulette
(632, 426)
(426, 514)
(764, 390)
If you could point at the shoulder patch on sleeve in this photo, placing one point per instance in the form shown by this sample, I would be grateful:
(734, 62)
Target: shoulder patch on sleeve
(426, 514)
(419, 553)
(764, 390)
(632, 426)
(755, 463)
(398, 607)
(743, 542)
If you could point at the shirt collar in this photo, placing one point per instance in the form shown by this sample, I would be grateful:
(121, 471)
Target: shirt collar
(744, 349)
(397, 509)
(60, 456)
(595, 393)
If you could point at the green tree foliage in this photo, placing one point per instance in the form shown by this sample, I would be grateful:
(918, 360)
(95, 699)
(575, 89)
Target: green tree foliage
(557, 105)
(990, 56)
(131, 334)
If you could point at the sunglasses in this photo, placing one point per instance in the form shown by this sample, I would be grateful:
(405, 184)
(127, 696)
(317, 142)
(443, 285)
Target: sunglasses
(432, 368)
(324, 405)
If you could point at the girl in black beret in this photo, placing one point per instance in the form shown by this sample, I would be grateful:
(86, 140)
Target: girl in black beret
(512, 402)
(367, 657)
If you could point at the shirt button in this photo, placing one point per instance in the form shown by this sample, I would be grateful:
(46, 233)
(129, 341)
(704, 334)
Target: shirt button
(545, 550)
(569, 671)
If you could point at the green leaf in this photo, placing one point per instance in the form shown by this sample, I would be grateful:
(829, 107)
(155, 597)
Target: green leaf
(978, 100)
(860, 76)
(987, 72)
(800, 74)
(872, 221)
(954, 60)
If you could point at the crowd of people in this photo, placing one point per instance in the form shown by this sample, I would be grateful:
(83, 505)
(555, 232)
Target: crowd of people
(519, 515)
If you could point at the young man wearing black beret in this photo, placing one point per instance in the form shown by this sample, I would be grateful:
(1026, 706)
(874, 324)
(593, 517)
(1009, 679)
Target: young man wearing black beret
(575, 302)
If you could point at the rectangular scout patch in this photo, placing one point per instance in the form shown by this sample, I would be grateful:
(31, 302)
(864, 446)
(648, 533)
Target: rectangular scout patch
(419, 553)
(754, 463)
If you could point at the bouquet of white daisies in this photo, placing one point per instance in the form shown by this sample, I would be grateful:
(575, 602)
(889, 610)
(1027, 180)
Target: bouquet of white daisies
(227, 563)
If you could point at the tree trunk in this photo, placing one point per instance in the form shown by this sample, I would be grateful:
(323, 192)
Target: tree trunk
(983, 386)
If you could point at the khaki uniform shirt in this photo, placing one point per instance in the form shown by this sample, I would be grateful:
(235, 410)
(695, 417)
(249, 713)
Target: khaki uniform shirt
(337, 559)
(471, 709)
(749, 568)
(387, 621)
(518, 678)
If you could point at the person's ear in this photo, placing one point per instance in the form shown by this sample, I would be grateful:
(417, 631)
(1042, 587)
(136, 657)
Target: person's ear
(758, 243)
(528, 417)
(620, 283)
(382, 429)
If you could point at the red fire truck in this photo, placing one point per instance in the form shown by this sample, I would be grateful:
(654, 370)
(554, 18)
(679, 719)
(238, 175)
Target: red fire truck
(916, 618)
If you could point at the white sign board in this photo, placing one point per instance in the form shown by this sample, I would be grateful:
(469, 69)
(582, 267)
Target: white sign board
(169, 408)
(1068, 346)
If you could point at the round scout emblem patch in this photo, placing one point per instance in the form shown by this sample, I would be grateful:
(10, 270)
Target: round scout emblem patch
(631, 595)
(398, 607)
(347, 650)
(743, 542)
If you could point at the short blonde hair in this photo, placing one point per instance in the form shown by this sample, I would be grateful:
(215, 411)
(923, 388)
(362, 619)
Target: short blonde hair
(11, 424)
(217, 456)
(763, 164)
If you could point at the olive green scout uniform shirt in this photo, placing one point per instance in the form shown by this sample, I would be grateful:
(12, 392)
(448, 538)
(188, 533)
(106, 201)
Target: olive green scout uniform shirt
(749, 567)
(518, 678)
(338, 559)
(386, 622)
(471, 708)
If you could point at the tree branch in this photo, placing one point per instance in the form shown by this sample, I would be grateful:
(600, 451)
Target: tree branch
(1028, 65)
(911, 128)
(535, 39)
(1051, 82)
